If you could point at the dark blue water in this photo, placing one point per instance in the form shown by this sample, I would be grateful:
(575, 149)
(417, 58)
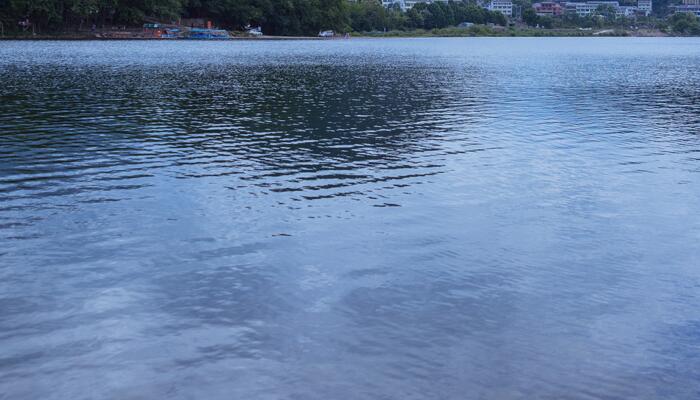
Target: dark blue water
(471, 218)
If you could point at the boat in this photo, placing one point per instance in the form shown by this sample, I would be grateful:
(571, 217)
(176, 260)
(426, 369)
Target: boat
(160, 31)
(254, 31)
(207, 34)
(170, 33)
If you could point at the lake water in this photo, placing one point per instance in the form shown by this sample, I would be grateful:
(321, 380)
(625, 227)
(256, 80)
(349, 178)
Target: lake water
(473, 218)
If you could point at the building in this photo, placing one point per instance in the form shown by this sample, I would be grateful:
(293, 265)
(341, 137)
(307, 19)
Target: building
(581, 9)
(644, 6)
(548, 9)
(400, 3)
(505, 7)
(589, 8)
(689, 6)
(406, 4)
(626, 11)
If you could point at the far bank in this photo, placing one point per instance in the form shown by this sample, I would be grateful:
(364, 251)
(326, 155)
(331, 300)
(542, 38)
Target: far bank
(474, 31)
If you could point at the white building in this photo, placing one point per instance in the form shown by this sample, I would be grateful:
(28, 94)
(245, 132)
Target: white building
(389, 3)
(689, 6)
(590, 7)
(688, 9)
(644, 6)
(581, 9)
(407, 4)
(504, 6)
(626, 11)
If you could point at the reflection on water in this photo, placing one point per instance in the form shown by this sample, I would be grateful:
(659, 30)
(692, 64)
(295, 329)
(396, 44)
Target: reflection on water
(439, 218)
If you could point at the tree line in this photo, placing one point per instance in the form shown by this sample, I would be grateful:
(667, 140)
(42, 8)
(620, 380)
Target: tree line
(367, 16)
(276, 17)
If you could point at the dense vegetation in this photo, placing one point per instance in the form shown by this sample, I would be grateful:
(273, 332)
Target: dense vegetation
(685, 24)
(302, 17)
(277, 17)
(367, 16)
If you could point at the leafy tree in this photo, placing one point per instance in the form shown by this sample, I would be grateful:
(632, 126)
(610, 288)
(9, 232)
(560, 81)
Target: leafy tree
(498, 18)
(290, 17)
(415, 18)
(685, 23)
(546, 22)
(606, 11)
(367, 16)
(437, 18)
(530, 17)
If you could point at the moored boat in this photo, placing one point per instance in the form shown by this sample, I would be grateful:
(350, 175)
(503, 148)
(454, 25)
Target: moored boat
(207, 34)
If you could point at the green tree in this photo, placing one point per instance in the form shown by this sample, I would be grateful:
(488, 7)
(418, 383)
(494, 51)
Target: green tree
(606, 11)
(415, 18)
(497, 18)
(530, 17)
(685, 23)
(367, 16)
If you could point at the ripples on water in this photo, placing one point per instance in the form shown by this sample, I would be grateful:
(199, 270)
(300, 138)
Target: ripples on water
(447, 218)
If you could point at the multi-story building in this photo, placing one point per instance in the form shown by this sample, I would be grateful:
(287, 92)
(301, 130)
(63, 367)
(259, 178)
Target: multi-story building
(579, 8)
(689, 6)
(644, 6)
(589, 8)
(626, 11)
(584, 9)
(548, 9)
(505, 7)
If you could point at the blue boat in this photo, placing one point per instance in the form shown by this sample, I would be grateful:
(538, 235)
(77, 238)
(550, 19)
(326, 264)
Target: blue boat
(207, 34)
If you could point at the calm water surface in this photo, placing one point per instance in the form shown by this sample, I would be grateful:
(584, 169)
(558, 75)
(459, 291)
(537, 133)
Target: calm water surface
(367, 219)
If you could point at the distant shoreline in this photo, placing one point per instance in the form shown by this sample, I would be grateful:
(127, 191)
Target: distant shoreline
(96, 38)
(446, 32)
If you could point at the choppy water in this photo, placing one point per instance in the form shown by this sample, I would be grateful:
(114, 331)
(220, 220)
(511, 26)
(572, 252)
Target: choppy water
(363, 219)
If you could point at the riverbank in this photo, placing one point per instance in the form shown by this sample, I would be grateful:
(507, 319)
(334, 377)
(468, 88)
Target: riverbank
(473, 31)
(78, 36)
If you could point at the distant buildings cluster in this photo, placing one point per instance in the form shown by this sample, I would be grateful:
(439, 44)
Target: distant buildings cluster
(557, 8)
(689, 6)
(587, 8)
(505, 7)
(404, 4)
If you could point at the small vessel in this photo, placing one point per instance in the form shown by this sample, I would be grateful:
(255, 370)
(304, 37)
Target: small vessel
(160, 31)
(170, 33)
(257, 31)
(207, 34)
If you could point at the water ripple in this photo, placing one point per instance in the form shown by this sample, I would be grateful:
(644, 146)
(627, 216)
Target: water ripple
(415, 219)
